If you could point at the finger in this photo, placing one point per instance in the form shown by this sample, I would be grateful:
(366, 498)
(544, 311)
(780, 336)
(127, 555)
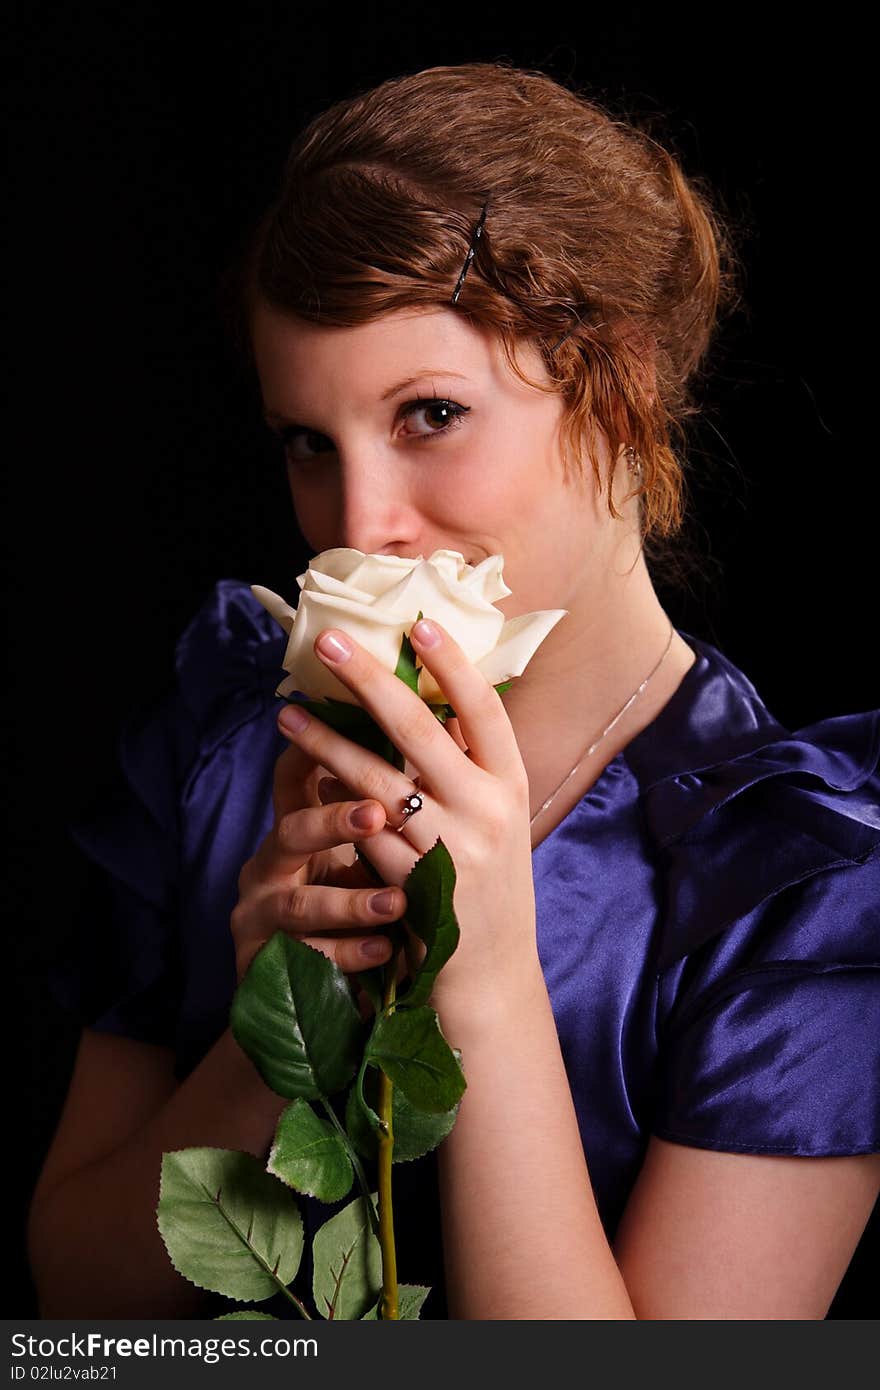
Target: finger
(453, 728)
(316, 909)
(300, 834)
(416, 731)
(393, 855)
(289, 781)
(330, 789)
(480, 713)
(351, 953)
(359, 768)
(390, 853)
(401, 713)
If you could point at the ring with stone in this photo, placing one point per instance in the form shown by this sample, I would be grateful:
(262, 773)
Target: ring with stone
(412, 804)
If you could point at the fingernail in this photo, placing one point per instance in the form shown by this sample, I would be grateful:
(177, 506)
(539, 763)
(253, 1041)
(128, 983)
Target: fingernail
(292, 719)
(376, 946)
(334, 648)
(425, 633)
(383, 902)
(361, 818)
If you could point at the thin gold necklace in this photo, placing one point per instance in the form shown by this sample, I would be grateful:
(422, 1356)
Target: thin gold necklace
(593, 746)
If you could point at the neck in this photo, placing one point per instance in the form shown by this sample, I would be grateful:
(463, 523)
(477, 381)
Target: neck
(580, 678)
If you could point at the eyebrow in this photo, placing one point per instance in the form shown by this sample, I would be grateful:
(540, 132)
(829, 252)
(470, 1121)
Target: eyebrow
(392, 390)
(410, 380)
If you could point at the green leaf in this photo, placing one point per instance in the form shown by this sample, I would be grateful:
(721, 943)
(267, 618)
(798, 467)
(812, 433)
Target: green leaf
(410, 1048)
(429, 887)
(406, 668)
(347, 1261)
(415, 1132)
(244, 1315)
(410, 1298)
(294, 1016)
(227, 1224)
(308, 1154)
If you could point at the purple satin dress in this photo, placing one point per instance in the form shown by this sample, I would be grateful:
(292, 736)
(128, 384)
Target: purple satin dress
(708, 915)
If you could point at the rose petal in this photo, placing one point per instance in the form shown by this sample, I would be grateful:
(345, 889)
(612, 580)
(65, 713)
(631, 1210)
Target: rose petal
(326, 584)
(476, 624)
(379, 573)
(521, 638)
(377, 598)
(485, 579)
(338, 563)
(380, 634)
(275, 605)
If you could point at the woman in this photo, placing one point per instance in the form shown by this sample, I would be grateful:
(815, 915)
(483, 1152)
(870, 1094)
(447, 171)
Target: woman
(478, 332)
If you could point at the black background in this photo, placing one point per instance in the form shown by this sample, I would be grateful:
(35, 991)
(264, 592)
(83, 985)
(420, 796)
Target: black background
(145, 139)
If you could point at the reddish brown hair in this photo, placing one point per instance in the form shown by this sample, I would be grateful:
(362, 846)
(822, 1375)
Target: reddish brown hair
(591, 225)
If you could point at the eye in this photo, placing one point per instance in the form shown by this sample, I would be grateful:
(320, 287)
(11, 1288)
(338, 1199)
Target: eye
(454, 414)
(293, 435)
(302, 445)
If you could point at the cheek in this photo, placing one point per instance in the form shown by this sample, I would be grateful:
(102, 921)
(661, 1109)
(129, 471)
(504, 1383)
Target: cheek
(496, 489)
(547, 547)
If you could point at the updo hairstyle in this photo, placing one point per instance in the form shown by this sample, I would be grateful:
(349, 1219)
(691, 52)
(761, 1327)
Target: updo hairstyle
(593, 235)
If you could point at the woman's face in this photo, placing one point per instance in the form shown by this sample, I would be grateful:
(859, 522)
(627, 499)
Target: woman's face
(411, 434)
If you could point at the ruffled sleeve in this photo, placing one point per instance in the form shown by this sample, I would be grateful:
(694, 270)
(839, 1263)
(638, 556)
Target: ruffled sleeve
(769, 987)
(121, 972)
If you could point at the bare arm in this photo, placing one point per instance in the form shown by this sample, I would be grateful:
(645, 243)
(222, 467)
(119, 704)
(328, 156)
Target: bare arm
(522, 1237)
(704, 1235)
(94, 1246)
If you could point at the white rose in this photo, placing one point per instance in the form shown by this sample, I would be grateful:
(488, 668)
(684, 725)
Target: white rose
(378, 598)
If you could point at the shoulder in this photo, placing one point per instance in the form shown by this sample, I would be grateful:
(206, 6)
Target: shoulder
(768, 948)
(743, 810)
(228, 661)
(793, 814)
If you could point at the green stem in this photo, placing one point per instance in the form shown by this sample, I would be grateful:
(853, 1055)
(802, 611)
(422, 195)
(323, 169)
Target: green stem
(388, 1307)
(355, 1161)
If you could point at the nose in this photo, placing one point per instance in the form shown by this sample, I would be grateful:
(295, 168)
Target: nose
(378, 511)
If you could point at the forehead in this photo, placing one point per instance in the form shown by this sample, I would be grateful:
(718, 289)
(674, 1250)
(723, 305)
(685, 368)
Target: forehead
(362, 363)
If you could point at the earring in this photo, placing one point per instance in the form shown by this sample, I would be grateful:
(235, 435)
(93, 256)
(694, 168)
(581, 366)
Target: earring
(633, 461)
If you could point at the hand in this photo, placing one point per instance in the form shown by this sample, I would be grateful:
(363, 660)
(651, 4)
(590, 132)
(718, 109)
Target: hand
(476, 799)
(302, 881)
